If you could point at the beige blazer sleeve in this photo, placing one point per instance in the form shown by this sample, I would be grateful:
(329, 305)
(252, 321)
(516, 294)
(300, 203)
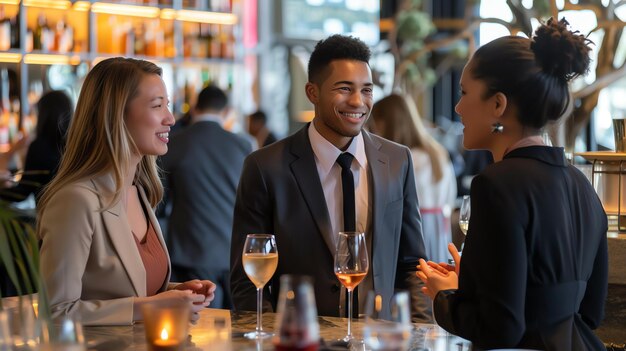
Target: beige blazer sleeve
(90, 264)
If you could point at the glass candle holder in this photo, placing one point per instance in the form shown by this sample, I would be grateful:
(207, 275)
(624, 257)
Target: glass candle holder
(166, 326)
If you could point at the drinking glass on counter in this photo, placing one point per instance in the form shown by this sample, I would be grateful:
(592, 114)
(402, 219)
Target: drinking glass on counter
(260, 259)
(351, 266)
(391, 333)
(297, 328)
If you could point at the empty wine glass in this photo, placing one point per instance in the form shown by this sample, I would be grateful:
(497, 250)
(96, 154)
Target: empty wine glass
(351, 266)
(464, 214)
(260, 259)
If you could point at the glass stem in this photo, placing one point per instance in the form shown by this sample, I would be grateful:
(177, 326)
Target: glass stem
(259, 310)
(349, 313)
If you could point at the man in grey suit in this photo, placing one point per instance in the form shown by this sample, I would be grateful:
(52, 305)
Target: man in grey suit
(202, 168)
(293, 189)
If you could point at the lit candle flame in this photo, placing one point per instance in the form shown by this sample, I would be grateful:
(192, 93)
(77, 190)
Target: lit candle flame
(164, 335)
(378, 303)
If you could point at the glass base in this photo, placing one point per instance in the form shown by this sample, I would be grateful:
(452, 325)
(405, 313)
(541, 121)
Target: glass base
(258, 335)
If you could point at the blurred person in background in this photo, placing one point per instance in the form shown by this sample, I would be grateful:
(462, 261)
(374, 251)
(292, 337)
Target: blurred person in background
(202, 169)
(257, 127)
(103, 256)
(395, 118)
(535, 262)
(54, 111)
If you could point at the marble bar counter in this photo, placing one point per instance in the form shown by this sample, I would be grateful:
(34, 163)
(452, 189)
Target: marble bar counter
(224, 329)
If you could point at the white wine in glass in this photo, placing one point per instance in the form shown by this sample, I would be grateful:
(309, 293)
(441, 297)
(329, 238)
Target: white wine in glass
(260, 259)
(351, 266)
(464, 214)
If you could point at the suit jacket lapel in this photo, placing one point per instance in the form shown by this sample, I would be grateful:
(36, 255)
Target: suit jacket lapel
(305, 173)
(379, 166)
(119, 232)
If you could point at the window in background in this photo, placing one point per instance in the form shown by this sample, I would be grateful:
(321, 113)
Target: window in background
(317, 19)
(611, 102)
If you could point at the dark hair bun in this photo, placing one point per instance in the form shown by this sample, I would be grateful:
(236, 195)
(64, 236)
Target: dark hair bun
(561, 52)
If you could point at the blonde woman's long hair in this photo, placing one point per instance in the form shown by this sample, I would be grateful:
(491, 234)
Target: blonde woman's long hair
(98, 140)
(395, 118)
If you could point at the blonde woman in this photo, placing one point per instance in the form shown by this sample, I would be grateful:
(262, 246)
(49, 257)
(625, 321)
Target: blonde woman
(395, 117)
(102, 254)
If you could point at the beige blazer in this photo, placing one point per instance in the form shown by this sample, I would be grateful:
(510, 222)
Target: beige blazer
(90, 263)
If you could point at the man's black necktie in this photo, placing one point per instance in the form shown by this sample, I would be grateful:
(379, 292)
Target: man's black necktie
(349, 218)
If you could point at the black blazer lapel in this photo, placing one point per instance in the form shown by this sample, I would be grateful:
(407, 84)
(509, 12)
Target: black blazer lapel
(305, 173)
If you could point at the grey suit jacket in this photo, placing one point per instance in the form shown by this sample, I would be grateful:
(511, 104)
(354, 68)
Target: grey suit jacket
(90, 263)
(202, 168)
(280, 193)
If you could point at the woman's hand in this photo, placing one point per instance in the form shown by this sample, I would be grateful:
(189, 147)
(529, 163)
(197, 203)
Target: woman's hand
(436, 278)
(205, 288)
(456, 257)
(196, 301)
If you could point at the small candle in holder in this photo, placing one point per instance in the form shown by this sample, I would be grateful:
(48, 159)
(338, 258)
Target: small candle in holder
(164, 343)
(166, 327)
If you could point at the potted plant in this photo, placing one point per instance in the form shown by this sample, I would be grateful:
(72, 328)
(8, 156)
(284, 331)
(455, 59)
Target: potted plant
(19, 257)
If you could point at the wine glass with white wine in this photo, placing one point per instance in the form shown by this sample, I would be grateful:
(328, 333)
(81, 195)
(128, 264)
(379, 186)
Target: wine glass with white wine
(260, 259)
(351, 266)
(464, 214)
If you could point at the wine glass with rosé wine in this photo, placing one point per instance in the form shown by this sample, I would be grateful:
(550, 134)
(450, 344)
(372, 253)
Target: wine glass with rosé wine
(351, 266)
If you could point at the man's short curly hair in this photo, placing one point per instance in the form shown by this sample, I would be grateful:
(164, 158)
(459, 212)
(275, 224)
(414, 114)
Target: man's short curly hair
(336, 47)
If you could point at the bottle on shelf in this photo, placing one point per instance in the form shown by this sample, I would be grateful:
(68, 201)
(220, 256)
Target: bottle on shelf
(15, 31)
(43, 37)
(5, 30)
(140, 38)
(154, 39)
(189, 4)
(215, 45)
(129, 41)
(4, 109)
(203, 40)
(168, 44)
(227, 40)
(64, 37)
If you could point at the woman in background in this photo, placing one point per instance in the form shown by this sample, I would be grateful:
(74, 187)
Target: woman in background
(103, 254)
(395, 118)
(44, 153)
(534, 272)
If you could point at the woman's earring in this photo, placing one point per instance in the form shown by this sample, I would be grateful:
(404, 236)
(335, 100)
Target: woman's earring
(497, 128)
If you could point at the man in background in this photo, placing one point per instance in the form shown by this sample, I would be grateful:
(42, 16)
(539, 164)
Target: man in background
(202, 168)
(257, 127)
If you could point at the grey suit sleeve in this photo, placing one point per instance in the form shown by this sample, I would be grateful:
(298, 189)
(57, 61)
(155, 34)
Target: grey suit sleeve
(253, 214)
(412, 249)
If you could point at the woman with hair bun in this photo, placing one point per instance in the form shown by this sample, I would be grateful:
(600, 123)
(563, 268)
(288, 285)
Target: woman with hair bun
(534, 272)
